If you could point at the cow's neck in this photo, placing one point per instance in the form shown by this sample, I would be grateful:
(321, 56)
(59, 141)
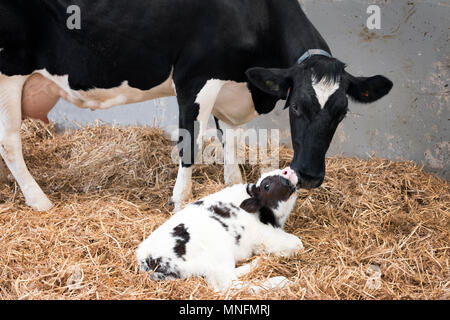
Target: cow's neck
(295, 33)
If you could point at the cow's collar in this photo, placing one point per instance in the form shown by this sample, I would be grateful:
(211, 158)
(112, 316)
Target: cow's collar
(308, 54)
(313, 52)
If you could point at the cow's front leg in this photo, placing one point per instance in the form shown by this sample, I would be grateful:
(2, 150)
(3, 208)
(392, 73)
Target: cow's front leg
(195, 104)
(231, 139)
(11, 143)
(183, 186)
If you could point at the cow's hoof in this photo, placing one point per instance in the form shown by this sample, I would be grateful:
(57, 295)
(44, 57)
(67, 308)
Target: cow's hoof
(41, 205)
(171, 204)
(174, 205)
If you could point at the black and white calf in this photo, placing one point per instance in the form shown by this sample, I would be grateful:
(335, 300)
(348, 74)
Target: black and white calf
(208, 237)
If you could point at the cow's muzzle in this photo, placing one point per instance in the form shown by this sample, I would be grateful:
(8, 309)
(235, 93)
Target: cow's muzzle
(307, 181)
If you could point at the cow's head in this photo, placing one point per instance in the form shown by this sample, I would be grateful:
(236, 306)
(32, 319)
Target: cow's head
(317, 94)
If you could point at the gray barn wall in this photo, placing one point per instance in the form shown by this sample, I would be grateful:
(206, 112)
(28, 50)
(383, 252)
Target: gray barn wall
(412, 48)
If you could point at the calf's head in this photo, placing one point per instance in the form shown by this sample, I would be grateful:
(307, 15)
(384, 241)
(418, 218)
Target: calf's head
(272, 197)
(317, 92)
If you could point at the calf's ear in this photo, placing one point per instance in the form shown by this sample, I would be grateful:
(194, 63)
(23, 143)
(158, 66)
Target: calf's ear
(275, 82)
(367, 90)
(251, 205)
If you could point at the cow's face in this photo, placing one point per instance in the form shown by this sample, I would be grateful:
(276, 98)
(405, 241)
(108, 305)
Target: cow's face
(317, 92)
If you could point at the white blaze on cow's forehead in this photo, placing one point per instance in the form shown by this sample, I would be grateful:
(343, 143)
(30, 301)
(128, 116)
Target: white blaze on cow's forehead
(324, 89)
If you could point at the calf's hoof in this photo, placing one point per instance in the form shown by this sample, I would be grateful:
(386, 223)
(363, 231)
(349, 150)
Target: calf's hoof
(294, 245)
(276, 283)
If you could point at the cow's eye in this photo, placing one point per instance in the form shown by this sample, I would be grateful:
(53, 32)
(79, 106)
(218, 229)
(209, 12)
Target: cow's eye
(295, 109)
(267, 187)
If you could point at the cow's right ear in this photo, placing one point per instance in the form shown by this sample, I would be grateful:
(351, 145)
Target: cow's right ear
(276, 82)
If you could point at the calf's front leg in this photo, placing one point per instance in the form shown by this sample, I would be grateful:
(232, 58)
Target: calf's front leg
(11, 142)
(280, 243)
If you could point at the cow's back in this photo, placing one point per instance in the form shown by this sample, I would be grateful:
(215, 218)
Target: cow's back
(138, 41)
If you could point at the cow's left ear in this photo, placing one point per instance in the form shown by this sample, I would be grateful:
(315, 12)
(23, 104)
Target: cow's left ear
(276, 82)
(367, 90)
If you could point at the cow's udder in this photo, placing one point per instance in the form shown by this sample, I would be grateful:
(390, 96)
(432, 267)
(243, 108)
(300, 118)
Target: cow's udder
(39, 96)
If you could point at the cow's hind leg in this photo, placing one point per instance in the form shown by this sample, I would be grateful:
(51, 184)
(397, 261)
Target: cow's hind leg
(11, 143)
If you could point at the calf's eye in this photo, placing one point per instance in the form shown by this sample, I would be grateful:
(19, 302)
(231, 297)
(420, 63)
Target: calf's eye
(267, 187)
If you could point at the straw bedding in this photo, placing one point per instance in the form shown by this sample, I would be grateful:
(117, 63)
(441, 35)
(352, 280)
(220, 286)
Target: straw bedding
(375, 230)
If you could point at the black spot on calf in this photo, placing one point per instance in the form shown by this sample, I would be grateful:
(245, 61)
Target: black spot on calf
(238, 238)
(180, 232)
(222, 210)
(267, 216)
(223, 224)
(162, 270)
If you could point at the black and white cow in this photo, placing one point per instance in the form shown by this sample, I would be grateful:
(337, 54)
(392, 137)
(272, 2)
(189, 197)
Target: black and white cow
(231, 58)
(208, 237)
